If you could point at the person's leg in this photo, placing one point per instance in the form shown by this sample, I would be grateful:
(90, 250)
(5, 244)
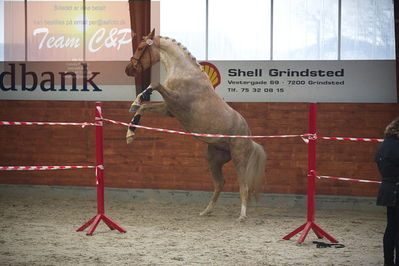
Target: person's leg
(396, 223)
(389, 237)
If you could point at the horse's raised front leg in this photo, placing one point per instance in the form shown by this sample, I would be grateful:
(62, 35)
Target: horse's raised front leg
(216, 159)
(144, 96)
(159, 108)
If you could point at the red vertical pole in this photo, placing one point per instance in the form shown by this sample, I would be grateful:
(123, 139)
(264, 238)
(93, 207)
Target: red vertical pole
(310, 223)
(312, 162)
(99, 159)
(100, 179)
(311, 173)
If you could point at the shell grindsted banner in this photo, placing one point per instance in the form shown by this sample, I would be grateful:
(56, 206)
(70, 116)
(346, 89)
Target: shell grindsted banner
(363, 81)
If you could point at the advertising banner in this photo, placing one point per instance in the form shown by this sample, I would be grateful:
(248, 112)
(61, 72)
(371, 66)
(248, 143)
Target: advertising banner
(66, 50)
(74, 81)
(78, 50)
(237, 81)
(307, 81)
(67, 31)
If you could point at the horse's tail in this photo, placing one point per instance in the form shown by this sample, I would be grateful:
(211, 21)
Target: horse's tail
(255, 171)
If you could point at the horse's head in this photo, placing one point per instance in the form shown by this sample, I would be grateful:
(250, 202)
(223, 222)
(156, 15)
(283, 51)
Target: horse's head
(146, 54)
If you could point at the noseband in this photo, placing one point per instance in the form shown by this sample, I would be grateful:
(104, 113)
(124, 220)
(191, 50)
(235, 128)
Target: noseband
(148, 42)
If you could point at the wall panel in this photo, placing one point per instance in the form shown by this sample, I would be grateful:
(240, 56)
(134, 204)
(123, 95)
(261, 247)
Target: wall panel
(165, 161)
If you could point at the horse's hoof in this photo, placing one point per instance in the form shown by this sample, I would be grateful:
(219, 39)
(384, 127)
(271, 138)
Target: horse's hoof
(130, 137)
(134, 108)
(242, 219)
(205, 213)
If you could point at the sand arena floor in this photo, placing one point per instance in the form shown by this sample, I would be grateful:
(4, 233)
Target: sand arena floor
(42, 232)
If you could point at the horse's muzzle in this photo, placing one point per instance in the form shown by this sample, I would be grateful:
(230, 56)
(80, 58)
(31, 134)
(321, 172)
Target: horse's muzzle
(131, 69)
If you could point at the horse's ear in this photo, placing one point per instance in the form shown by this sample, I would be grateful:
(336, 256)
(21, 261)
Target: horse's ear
(151, 35)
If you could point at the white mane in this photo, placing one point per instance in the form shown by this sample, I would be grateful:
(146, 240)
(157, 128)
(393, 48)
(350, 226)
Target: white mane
(183, 48)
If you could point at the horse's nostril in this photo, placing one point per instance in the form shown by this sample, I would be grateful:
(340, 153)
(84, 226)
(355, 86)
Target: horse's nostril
(129, 71)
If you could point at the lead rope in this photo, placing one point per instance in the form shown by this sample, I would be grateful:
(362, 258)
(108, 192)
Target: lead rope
(327, 245)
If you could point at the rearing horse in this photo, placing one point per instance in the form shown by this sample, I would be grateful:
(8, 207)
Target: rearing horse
(190, 97)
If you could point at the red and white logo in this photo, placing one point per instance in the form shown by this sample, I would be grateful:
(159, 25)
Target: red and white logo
(212, 72)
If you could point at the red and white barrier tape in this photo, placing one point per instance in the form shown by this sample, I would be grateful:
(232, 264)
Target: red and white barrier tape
(349, 179)
(101, 167)
(352, 139)
(33, 168)
(8, 123)
(199, 134)
(305, 137)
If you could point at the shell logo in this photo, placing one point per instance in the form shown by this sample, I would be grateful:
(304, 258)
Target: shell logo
(212, 72)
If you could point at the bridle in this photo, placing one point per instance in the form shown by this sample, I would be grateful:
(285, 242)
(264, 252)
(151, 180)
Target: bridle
(148, 42)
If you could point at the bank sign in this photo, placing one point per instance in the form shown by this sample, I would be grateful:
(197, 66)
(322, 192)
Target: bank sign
(68, 81)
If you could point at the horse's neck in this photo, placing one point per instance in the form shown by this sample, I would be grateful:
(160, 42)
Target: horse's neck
(175, 59)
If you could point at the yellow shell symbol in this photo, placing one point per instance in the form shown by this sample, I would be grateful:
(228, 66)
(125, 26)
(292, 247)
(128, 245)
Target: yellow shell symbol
(212, 72)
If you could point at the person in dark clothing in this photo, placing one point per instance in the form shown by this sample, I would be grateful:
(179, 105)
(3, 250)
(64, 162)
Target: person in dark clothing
(387, 159)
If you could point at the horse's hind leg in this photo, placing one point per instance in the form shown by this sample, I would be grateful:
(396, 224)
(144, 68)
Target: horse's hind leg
(244, 196)
(216, 159)
(240, 151)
